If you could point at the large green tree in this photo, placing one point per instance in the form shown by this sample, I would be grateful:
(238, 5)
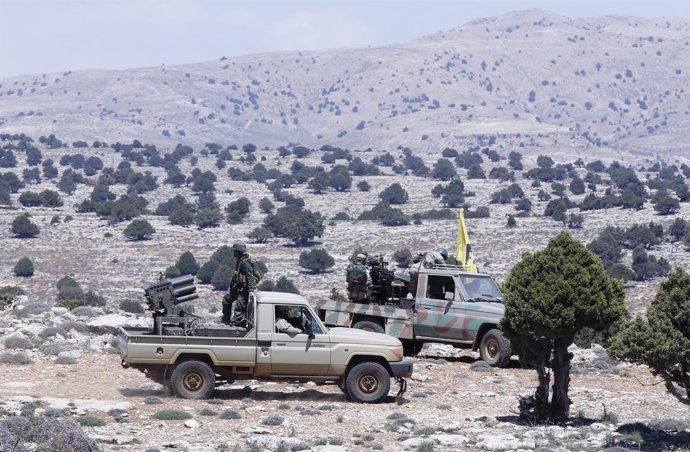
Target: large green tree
(550, 296)
(298, 225)
(662, 340)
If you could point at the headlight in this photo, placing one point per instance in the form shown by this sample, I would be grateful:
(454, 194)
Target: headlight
(397, 351)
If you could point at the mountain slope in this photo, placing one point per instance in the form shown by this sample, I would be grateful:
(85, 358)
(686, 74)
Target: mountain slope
(609, 82)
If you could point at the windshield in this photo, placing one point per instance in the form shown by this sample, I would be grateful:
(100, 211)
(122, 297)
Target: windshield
(480, 288)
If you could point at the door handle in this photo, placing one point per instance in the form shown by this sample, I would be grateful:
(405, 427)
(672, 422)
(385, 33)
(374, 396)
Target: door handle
(318, 345)
(281, 343)
(428, 308)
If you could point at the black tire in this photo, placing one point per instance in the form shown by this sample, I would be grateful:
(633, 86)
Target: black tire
(495, 349)
(368, 382)
(368, 325)
(411, 347)
(193, 380)
(342, 385)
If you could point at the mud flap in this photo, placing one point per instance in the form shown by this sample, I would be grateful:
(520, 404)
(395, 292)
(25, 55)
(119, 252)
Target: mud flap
(403, 387)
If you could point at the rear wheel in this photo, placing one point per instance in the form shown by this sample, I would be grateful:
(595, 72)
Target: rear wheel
(368, 382)
(193, 380)
(495, 349)
(368, 325)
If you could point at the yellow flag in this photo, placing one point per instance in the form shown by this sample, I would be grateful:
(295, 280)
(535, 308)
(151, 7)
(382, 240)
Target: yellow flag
(464, 254)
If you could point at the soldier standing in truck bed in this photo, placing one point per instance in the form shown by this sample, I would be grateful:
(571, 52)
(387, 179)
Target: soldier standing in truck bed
(438, 256)
(358, 280)
(235, 302)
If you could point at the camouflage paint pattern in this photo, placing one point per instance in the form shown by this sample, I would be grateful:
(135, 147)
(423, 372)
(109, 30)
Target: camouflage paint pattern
(461, 322)
(455, 321)
(343, 313)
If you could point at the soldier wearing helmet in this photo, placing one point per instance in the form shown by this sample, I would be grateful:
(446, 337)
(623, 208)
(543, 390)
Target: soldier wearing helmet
(437, 256)
(443, 252)
(235, 302)
(358, 280)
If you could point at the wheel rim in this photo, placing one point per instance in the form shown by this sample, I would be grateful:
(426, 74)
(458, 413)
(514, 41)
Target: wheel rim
(368, 384)
(193, 381)
(491, 348)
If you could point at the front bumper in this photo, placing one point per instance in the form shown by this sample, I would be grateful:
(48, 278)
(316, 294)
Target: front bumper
(401, 368)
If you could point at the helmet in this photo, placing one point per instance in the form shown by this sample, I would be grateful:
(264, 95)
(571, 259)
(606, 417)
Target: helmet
(442, 251)
(361, 257)
(240, 247)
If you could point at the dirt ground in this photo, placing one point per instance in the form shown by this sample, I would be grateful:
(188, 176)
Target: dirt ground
(445, 395)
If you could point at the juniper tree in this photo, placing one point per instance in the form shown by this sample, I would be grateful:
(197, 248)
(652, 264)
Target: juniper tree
(662, 340)
(139, 230)
(550, 296)
(317, 260)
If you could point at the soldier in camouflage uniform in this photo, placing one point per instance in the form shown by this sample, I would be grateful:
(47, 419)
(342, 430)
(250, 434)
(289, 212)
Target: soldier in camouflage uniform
(438, 256)
(235, 301)
(358, 280)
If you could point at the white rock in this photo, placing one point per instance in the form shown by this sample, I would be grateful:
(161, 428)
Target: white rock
(329, 448)
(445, 439)
(117, 320)
(69, 355)
(504, 442)
(415, 442)
(420, 377)
(191, 423)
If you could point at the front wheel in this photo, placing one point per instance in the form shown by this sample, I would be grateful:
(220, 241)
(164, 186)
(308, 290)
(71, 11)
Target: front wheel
(495, 349)
(368, 382)
(193, 380)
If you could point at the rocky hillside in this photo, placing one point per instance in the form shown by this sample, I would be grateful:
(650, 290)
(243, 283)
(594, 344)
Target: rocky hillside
(588, 85)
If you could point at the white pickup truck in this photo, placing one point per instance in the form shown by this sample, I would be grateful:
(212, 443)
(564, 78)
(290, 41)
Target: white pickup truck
(192, 360)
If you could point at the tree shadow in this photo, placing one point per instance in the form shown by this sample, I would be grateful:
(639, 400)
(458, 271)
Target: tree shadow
(639, 436)
(307, 244)
(516, 419)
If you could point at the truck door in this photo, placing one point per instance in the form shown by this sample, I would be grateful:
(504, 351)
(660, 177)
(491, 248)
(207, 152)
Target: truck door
(440, 312)
(292, 351)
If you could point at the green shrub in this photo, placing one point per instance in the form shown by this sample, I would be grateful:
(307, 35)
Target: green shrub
(152, 400)
(70, 304)
(50, 349)
(18, 343)
(171, 415)
(23, 228)
(207, 412)
(273, 419)
(131, 306)
(317, 260)
(90, 421)
(139, 230)
(15, 358)
(84, 311)
(230, 414)
(24, 267)
(33, 309)
(53, 331)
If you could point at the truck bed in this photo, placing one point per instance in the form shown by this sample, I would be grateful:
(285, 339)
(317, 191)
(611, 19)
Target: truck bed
(224, 346)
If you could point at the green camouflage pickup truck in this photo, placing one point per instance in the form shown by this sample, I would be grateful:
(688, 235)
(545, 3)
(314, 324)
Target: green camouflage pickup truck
(450, 306)
(284, 340)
